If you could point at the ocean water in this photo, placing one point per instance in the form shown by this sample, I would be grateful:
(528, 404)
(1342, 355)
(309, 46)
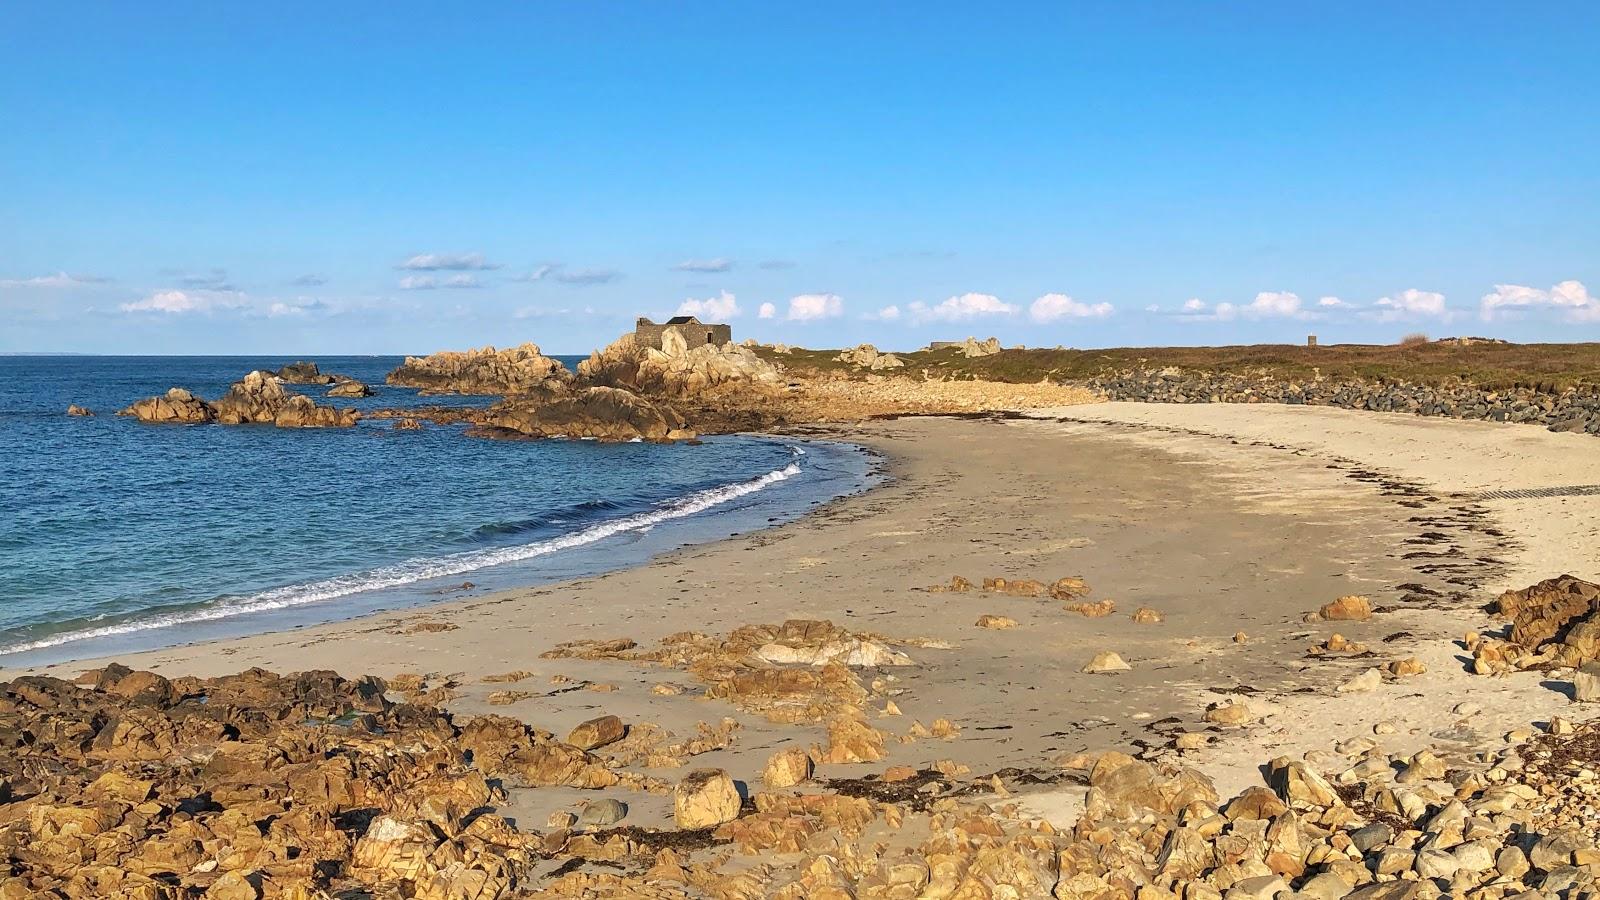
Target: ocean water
(119, 536)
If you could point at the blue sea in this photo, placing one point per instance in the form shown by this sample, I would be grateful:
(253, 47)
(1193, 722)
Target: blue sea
(118, 536)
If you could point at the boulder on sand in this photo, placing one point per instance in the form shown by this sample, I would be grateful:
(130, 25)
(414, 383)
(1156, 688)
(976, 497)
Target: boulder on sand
(1106, 662)
(705, 798)
(1352, 608)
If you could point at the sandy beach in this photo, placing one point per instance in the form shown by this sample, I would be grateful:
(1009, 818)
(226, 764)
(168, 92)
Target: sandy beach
(1231, 522)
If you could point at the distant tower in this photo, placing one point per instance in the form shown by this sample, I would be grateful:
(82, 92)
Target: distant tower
(1311, 340)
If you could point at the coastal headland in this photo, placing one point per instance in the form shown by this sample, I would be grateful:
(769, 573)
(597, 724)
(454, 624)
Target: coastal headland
(1070, 648)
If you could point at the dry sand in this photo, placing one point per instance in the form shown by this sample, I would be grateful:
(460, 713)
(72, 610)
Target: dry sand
(1223, 518)
(1536, 537)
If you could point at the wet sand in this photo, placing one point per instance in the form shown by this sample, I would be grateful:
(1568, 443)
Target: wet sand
(1216, 533)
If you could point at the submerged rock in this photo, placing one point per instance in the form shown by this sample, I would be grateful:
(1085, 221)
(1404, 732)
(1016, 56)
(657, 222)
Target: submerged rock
(350, 388)
(602, 413)
(304, 373)
(76, 410)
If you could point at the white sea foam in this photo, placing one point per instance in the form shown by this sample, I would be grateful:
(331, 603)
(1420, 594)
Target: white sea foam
(412, 571)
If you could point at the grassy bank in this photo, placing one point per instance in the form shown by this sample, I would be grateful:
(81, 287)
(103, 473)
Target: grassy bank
(1491, 365)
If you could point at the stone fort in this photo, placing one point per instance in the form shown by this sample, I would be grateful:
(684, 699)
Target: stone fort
(694, 332)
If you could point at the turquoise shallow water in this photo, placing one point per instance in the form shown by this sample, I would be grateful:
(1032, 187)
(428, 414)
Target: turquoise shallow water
(117, 536)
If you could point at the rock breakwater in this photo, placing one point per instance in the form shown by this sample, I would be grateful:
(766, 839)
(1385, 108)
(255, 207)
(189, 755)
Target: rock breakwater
(1572, 409)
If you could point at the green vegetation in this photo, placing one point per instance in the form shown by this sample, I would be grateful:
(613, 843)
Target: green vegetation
(1491, 365)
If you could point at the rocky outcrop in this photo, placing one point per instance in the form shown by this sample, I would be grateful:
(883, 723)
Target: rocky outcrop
(351, 388)
(1574, 409)
(134, 786)
(1554, 624)
(74, 409)
(675, 370)
(257, 398)
(176, 406)
(515, 370)
(305, 373)
(971, 348)
(867, 356)
(600, 413)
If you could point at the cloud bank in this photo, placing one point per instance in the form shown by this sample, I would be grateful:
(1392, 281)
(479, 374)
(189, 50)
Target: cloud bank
(1569, 297)
(962, 308)
(1052, 307)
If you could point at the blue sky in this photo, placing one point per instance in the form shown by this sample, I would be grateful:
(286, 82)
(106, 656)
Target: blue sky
(321, 178)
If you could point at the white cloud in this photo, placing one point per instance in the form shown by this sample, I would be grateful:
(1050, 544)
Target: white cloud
(712, 309)
(1274, 304)
(1411, 304)
(1266, 305)
(183, 302)
(767, 311)
(1332, 303)
(309, 281)
(1051, 307)
(1569, 296)
(704, 265)
(890, 313)
(807, 307)
(961, 308)
(456, 262)
(59, 279)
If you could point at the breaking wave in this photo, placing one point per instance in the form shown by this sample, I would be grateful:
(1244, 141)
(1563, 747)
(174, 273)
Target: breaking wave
(412, 571)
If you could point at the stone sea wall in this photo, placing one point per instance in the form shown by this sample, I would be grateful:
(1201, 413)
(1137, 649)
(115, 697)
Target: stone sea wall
(1573, 409)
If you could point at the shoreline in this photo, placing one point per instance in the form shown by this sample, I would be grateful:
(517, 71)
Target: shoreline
(1193, 541)
(1189, 546)
(595, 548)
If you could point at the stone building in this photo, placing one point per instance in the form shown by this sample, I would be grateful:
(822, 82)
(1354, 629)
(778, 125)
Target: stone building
(694, 332)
